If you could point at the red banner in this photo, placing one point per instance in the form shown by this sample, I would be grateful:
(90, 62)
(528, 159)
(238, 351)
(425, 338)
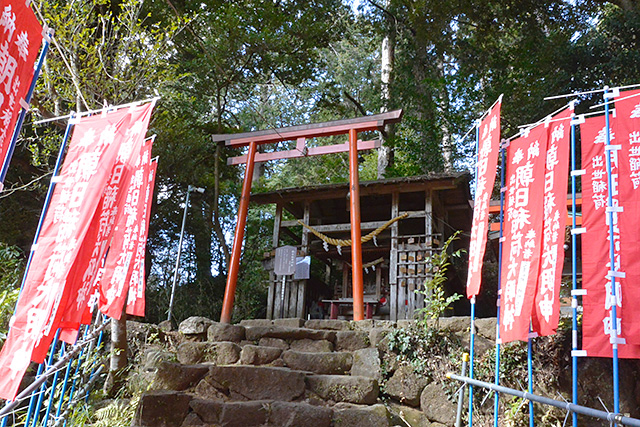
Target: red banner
(82, 279)
(522, 232)
(596, 266)
(546, 309)
(136, 298)
(20, 40)
(627, 128)
(92, 152)
(114, 284)
(489, 147)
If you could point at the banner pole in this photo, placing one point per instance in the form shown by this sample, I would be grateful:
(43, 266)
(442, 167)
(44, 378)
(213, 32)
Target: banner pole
(23, 113)
(530, 375)
(614, 298)
(496, 401)
(574, 280)
(472, 335)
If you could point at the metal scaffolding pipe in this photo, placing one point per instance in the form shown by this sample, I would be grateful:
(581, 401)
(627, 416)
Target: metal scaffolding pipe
(568, 406)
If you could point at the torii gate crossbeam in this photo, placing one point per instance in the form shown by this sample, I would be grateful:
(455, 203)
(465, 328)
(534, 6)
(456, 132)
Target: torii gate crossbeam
(300, 134)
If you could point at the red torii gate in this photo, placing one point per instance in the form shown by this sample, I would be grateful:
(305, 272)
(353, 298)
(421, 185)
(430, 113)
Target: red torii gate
(300, 134)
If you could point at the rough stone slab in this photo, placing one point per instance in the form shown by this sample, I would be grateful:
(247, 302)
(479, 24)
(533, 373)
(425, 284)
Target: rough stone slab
(257, 382)
(288, 334)
(413, 416)
(195, 325)
(454, 324)
(328, 324)
(480, 343)
(153, 357)
(362, 325)
(360, 416)
(405, 323)
(232, 414)
(339, 388)
(289, 323)
(219, 353)
(174, 376)
(319, 363)
(487, 328)
(366, 363)
(436, 406)
(312, 346)
(376, 336)
(274, 342)
(259, 355)
(289, 414)
(225, 332)
(250, 323)
(351, 340)
(162, 408)
(406, 386)
(385, 324)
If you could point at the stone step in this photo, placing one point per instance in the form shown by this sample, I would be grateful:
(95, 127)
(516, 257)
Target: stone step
(248, 382)
(171, 408)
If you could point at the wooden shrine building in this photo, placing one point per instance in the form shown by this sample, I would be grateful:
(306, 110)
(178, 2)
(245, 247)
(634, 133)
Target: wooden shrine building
(403, 221)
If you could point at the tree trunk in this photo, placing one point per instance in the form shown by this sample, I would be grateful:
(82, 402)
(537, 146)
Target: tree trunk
(385, 152)
(118, 363)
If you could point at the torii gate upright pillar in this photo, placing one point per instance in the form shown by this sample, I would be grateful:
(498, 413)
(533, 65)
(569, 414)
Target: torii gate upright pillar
(238, 238)
(357, 280)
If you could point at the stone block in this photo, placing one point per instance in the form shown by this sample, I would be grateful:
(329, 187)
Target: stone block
(174, 376)
(362, 325)
(259, 355)
(162, 408)
(405, 323)
(249, 323)
(487, 328)
(289, 323)
(257, 382)
(376, 336)
(351, 340)
(401, 415)
(257, 332)
(274, 342)
(290, 414)
(319, 363)
(312, 346)
(339, 388)
(232, 414)
(328, 324)
(366, 363)
(225, 332)
(360, 416)
(436, 406)
(406, 386)
(195, 328)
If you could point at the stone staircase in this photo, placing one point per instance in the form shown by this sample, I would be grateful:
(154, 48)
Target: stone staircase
(288, 372)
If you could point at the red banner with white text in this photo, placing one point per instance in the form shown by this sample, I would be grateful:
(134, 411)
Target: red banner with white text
(596, 265)
(522, 231)
(83, 277)
(627, 128)
(487, 161)
(546, 308)
(92, 152)
(20, 40)
(114, 283)
(136, 297)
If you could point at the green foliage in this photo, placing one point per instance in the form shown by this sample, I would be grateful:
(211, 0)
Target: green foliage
(433, 289)
(11, 269)
(430, 351)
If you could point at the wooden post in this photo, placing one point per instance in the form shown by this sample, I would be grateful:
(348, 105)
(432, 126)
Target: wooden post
(272, 294)
(356, 235)
(302, 284)
(393, 259)
(236, 252)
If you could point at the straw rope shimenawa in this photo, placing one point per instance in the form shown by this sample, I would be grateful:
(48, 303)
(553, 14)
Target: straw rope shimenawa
(343, 242)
